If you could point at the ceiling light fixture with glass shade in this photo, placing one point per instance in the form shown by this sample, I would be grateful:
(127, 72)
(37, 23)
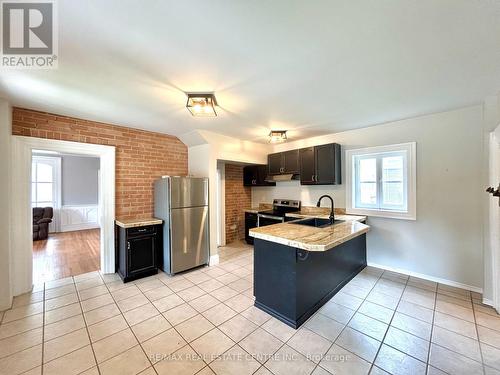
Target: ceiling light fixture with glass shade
(201, 104)
(277, 136)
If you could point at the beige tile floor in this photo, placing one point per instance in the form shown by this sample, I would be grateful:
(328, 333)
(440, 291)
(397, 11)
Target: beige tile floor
(204, 322)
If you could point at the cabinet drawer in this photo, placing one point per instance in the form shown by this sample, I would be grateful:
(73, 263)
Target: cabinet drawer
(140, 231)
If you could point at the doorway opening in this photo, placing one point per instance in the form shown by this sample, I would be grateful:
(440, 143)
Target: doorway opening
(234, 198)
(22, 221)
(65, 204)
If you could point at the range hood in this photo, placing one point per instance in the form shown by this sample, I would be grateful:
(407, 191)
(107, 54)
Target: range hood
(282, 177)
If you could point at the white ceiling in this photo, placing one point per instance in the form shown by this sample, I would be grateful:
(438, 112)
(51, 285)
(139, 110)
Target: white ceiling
(313, 67)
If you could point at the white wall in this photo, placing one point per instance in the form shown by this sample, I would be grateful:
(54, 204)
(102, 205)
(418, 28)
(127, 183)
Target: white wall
(446, 239)
(235, 150)
(201, 163)
(206, 149)
(79, 180)
(5, 205)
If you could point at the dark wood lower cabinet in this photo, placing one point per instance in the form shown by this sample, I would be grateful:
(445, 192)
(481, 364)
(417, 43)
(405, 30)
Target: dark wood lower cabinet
(250, 222)
(138, 251)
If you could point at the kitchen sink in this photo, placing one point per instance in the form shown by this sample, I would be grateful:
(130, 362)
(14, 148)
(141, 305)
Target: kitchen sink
(316, 222)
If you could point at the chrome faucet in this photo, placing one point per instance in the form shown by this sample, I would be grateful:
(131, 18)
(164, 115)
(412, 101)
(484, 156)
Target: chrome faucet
(332, 212)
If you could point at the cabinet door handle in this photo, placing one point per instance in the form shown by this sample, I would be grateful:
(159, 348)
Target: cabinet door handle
(128, 245)
(142, 230)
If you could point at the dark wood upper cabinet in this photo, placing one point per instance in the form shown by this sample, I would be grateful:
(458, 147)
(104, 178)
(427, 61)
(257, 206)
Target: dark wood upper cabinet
(291, 162)
(249, 175)
(328, 164)
(321, 165)
(262, 175)
(307, 164)
(317, 165)
(274, 163)
(283, 162)
(255, 175)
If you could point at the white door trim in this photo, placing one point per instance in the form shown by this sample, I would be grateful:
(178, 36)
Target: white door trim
(221, 203)
(494, 216)
(22, 242)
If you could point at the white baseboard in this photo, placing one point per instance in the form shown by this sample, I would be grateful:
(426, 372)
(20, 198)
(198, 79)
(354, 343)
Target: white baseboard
(214, 259)
(83, 226)
(488, 302)
(427, 277)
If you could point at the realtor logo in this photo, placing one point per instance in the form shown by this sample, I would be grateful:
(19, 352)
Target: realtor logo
(29, 34)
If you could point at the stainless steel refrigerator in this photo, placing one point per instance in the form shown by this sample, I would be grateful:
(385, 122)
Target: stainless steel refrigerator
(182, 203)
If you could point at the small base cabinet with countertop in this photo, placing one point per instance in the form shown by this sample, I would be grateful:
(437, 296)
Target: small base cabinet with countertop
(138, 248)
(297, 269)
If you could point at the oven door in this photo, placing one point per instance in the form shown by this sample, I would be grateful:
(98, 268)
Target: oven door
(263, 220)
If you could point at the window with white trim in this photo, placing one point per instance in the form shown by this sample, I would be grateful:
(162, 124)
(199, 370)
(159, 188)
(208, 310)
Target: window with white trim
(381, 181)
(42, 182)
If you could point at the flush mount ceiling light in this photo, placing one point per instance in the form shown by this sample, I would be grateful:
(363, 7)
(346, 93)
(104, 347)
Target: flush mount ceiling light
(277, 136)
(201, 104)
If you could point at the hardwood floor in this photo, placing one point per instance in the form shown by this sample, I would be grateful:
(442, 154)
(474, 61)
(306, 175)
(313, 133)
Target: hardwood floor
(66, 254)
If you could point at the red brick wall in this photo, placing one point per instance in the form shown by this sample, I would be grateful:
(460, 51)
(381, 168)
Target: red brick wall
(238, 197)
(141, 156)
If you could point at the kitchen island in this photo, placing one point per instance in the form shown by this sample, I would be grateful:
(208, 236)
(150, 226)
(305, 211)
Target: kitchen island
(298, 268)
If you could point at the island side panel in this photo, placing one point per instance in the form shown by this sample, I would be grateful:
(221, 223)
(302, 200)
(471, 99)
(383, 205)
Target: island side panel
(275, 279)
(292, 284)
(320, 275)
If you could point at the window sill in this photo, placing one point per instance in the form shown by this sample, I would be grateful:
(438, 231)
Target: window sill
(382, 213)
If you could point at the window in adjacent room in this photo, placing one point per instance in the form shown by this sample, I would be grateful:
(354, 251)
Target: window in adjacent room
(381, 181)
(45, 185)
(42, 182)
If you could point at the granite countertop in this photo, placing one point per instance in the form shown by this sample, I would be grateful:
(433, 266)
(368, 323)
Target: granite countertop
(311, 238)
(134, 223)
(260, 207)
(252, 210)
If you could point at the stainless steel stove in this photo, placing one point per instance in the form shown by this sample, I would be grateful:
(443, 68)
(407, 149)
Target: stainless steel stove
(277, 215)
